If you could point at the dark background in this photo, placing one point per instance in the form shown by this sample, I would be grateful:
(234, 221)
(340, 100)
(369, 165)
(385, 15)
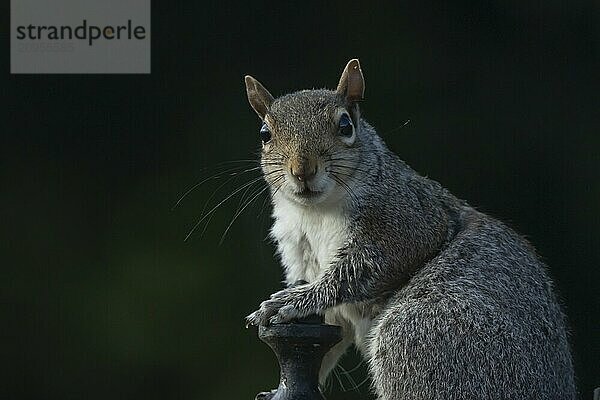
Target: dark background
(102, 297)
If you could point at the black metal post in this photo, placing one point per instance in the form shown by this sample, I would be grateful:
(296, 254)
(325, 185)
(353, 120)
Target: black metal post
(300, 347)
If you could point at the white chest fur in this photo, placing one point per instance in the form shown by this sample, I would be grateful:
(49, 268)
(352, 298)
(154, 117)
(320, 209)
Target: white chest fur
(308, 239)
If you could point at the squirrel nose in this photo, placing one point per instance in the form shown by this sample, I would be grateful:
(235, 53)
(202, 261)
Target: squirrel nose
(303, 172)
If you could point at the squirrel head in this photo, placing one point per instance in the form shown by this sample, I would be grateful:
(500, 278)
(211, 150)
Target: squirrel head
(311, 139)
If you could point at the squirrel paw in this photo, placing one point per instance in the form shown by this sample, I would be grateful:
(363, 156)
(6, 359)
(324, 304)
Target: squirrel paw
(278, 309)
(262, 315)
(285, 314)
(253, 319)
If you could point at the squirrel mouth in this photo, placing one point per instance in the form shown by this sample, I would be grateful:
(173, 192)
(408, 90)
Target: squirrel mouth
(307, 193)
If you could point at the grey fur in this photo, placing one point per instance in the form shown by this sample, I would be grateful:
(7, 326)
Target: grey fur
(461, 306)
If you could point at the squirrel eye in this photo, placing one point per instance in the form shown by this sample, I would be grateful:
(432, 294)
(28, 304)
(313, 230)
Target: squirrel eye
(346, 128)
(265, 133)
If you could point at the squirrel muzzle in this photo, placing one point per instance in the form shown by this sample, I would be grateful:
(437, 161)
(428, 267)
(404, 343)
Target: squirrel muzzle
(303, 169)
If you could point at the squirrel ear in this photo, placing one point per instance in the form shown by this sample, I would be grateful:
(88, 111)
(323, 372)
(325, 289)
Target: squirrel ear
(352, 82)
(260, 99)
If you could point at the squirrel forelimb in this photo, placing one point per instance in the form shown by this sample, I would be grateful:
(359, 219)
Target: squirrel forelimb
(352, 278)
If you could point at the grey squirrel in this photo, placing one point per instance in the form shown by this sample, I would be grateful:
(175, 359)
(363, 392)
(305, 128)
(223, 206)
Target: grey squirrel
(443, 301)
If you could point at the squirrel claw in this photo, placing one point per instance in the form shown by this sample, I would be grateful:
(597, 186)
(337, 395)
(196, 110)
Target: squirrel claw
(266, 395)
(252, 319)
